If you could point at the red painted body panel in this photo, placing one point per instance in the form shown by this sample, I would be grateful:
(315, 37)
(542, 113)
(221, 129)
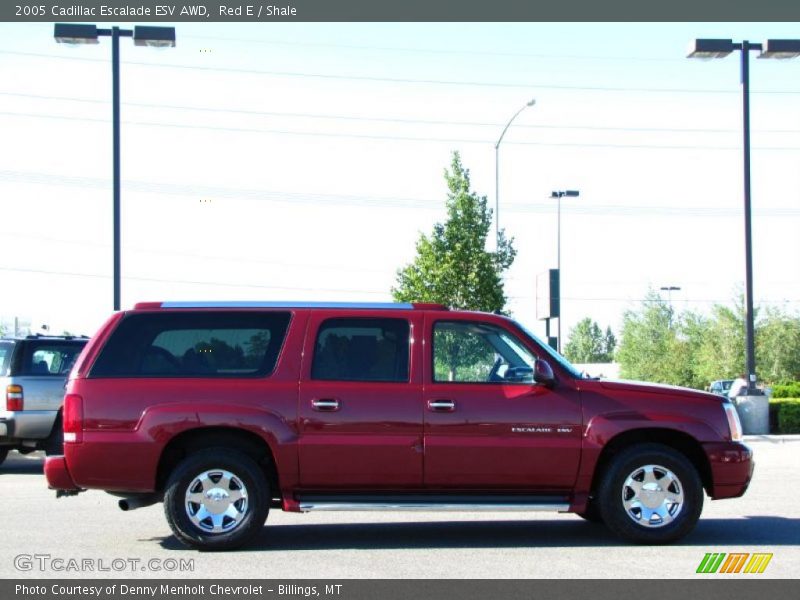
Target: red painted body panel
(732, 465)
(507, 436)
(383, 436)
(374, 439)
(57, 474)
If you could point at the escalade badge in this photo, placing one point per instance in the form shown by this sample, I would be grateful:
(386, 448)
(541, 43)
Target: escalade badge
(534, 429)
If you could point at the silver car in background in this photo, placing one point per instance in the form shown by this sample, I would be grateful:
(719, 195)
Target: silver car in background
(32, 374)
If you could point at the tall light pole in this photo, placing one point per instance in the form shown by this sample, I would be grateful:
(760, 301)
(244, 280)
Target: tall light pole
(559, 195)
(72, 33)
(720, 48)
(531, 102)
(669, 289)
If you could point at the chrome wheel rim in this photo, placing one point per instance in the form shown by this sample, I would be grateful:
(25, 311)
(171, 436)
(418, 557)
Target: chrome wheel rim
(216, 501)
(652, 496)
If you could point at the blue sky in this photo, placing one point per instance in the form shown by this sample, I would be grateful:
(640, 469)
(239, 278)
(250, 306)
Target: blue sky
(301, 161)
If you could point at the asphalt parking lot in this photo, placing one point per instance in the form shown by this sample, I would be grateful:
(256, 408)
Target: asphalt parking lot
(393, 545)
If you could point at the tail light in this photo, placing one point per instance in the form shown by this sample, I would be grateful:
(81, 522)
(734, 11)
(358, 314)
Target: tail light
(73, 418)
(734, 425)
(14, 398)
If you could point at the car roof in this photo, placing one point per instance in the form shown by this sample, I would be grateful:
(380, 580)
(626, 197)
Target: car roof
(290, 304)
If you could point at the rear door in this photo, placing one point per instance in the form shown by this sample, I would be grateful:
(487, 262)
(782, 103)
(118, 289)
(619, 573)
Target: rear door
(487, 425)
(360, 413)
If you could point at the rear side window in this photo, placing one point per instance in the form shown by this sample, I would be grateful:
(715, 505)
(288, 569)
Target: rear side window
(207, 344)
(49, 358)
(362, 350)
(6, 349)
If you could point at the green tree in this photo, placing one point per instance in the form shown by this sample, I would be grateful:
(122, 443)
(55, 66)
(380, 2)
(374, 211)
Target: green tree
(778, 347)
(588, 344)
(452, 265)
(721, 351)
(650, 348)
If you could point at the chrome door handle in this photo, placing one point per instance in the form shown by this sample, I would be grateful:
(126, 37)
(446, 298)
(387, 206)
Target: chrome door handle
(441, 405)
(325, 404)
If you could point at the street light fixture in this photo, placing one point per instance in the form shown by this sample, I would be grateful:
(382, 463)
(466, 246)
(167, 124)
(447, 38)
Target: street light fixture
(720, 48)
(530, 102)
(559, 195)
(74, 33)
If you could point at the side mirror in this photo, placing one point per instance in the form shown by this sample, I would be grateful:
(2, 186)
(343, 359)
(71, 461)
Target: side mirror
(543, 373)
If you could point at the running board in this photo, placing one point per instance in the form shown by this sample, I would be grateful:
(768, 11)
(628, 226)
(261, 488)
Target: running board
(434, 503)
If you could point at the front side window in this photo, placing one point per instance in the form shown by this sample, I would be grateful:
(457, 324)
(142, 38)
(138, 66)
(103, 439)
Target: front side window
(472, 352)
(362, 350)
(202, 344)
(49, 358)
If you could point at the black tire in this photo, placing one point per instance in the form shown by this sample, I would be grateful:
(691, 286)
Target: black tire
(3, 453)
(630, 525)
(253, 511)
(592, 513)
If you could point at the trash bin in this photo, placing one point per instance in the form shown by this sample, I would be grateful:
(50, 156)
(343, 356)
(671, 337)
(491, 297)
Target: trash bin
(753, 413)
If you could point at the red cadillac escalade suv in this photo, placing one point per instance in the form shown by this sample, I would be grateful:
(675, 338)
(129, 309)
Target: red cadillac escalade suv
(223, 410)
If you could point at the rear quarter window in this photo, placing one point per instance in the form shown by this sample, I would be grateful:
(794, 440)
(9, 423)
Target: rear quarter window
(6, 350)
(49, 358)
(199, 344)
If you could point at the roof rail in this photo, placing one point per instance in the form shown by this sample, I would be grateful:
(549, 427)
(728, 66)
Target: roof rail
(289, 304)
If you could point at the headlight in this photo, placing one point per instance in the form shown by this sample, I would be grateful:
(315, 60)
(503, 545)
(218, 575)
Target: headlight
(734, 424)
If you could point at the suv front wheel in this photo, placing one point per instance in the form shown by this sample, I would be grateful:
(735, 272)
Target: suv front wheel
(650, 494)
(216, 499)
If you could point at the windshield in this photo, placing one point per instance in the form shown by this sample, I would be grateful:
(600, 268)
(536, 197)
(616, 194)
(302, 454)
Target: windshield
(563, 362)
(6, 348)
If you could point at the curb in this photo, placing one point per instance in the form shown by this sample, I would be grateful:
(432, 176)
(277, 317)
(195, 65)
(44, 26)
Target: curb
(773, 439)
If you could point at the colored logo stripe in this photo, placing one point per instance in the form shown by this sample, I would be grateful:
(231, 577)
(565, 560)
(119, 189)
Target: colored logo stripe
(758, 563)
(713, 562)
(734, 563)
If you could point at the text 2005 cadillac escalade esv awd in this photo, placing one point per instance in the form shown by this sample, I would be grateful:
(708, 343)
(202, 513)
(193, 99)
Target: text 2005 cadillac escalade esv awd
(225, 410)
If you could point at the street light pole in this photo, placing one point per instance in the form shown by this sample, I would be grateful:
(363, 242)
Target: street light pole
(669, 289)
(531, 102)
(720, 48)
(70, 33)
(750, 358)
(559, 195)
(115, 33)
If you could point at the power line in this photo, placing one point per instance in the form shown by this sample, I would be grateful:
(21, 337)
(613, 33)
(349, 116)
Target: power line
(392, 120)
(396, 138)
(334, 290)
(193, 190)
(193, 282)
(162, 252)
(467, 52)
(402, 80)
(676, 302)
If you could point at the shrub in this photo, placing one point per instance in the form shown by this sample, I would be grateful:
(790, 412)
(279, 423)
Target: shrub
(784, 415)
(790, 389)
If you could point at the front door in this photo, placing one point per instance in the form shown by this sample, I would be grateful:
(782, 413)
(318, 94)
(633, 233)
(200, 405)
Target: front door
(487, 425)
(360, 414)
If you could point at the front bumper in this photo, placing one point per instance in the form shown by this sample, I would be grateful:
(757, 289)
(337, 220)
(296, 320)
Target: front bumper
(57, 474)
(731, 468)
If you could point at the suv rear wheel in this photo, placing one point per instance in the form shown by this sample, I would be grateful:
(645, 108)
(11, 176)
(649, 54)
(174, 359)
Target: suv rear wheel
(216, 499)
(3, 453)
(650, 494)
